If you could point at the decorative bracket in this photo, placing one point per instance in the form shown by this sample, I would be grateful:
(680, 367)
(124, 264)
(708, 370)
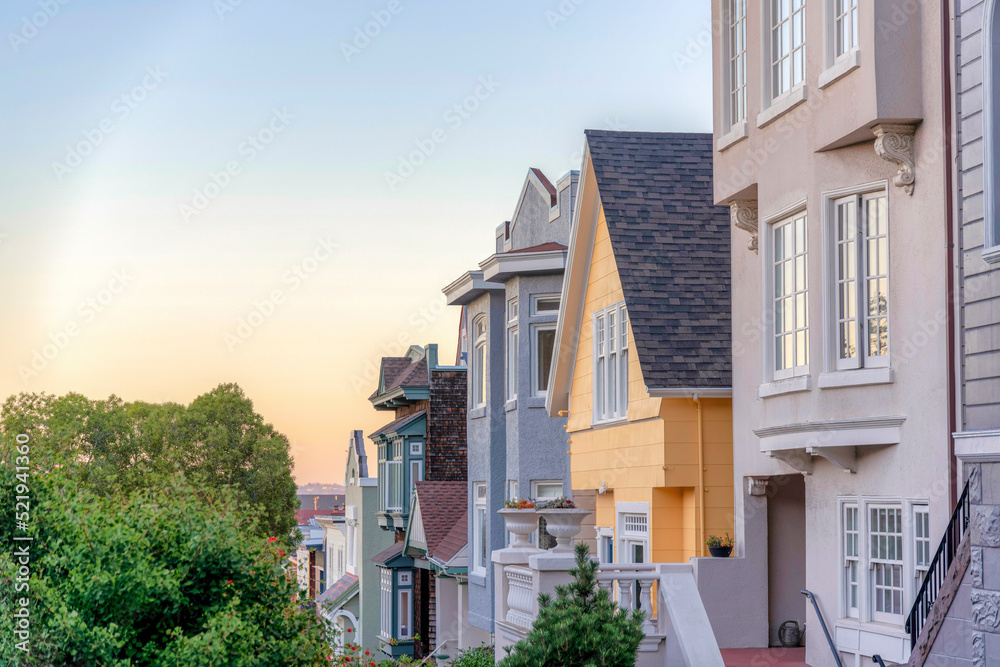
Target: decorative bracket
(757, 486)
(842, 457)
(797, 459)
(894, 143)
(744, 214)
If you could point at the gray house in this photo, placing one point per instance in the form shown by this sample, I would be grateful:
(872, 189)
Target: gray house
(511, 306)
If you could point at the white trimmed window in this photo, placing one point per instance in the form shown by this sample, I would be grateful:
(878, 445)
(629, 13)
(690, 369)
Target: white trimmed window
(885, 532)
(787, 35)
(479, 362)
(394, 486)
(383, 478)
(352, 557)
(611, 352)
(479, 543)
(542, 490)
(385, 601)
(404, 614)
(545, 304)
(543, 341)
(921, 541)
(416, 474)
(513, 340)
(736, 57)
(852, 559)
(861, 264)
(790, 283)
(845, 27)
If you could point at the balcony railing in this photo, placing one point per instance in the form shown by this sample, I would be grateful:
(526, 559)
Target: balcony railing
(621, 580)
(939, 567)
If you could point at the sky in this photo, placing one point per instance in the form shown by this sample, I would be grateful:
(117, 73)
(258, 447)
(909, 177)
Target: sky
(274, 193)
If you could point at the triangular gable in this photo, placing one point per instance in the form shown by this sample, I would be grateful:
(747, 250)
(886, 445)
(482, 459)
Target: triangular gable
(535, 181)
(416, 536)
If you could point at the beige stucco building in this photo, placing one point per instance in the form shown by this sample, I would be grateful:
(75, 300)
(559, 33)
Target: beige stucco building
(830, 151)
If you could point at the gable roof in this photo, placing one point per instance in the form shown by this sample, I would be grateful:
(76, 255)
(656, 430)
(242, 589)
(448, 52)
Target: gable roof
(438, 508)
(392, 556)
(337, 595)
(671, 245)
(397, 424)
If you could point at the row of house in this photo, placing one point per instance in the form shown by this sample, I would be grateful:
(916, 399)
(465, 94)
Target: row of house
(787, 331)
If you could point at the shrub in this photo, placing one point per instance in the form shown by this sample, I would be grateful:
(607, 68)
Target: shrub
(481, 656)
(582, 627)
(716, 541)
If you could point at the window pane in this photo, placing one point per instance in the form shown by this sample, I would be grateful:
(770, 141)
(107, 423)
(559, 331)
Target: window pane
(545, 346)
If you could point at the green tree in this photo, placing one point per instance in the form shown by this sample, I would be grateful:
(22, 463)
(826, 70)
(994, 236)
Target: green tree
(217, 441)
(583, 627)
(168, 576)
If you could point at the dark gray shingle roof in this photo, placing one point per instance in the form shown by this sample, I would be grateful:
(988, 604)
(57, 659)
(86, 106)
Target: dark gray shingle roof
(671, 245)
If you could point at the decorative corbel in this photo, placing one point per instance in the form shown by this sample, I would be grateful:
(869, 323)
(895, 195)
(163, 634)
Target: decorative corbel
(894, 143)
(744, 214)
(757, 486)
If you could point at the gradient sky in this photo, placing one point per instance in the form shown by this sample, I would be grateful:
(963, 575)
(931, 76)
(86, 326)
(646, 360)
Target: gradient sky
(115, 113)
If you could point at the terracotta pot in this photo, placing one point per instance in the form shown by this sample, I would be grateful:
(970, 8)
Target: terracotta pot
(564, 525)
(720, 552)
(522, 523)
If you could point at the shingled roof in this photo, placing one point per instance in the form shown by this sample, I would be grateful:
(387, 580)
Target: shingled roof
(442, 509)
(401, 372)
(671, 246)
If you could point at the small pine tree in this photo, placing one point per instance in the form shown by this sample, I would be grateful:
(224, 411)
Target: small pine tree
(583, 627)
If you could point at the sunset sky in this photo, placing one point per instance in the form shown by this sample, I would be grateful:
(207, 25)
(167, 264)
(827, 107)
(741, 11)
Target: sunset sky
(169, 168)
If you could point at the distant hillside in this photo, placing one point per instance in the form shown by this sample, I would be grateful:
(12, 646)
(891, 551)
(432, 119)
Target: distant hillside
(321, 489)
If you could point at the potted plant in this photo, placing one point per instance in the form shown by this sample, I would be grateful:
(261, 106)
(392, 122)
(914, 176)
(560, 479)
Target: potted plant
(720, 547)
(563, 520)
(521, 520)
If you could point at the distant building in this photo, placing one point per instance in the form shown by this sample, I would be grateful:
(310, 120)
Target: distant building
(322, 501)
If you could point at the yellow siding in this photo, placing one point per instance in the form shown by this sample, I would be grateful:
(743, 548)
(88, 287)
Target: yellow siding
(653, 456)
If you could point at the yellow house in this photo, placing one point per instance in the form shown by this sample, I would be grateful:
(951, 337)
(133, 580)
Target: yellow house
(643, 352)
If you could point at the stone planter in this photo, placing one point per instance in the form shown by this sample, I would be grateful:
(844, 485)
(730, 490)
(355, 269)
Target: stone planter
(564, 525)
(521, 523)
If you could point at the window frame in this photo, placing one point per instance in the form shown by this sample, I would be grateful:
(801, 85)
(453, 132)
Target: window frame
(735, 96)
(479, 535)
(512, 350)
(385, 599)
(773, 92)
(779, 221)
(847, 610)
(835, 13)
(536, 359)
(615, 355)
(416, 465)
(991, 142)
(480, 360)
(537, 537)
(404, 630)
(535, 298)
(918, 510)
(872, 562)
(857, 196)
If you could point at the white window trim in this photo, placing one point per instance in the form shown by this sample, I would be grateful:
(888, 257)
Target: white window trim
(734, 128)
(416, 448)
(479, 367)
(905, 561)
(408, 592)
(385, 594)
(604, 533)
(991, 149)
(419, 465)
(478, 523)
(837, 372)
(830, 58)
(535, 298)
(770, 98)
(771, 375)
(845, 609)
(915, 573)
(536, 359)
(535, 485)
(389, 485)
(513, 358)
(599, 415)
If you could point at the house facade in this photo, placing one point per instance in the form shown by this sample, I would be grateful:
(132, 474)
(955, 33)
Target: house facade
(642, 364)
(426, 440)
(829, 149)
(510, 310)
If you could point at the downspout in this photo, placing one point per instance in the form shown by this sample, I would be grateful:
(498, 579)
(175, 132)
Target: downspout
(701, 475)
(952, 298)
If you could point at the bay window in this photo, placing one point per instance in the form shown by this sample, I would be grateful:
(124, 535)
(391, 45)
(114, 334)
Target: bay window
(736, 57)
(845, 27)
(787, 45)
(790, 287)
(611, 353)
(385, 603)
(480, 547)
(513, 340)
(861, 241)
(405, 614)
(542, 345)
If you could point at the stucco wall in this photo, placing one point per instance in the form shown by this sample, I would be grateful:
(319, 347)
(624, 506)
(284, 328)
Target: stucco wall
(786, 535)
(979, 282)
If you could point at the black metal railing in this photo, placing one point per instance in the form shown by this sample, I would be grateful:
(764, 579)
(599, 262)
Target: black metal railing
(939, 567)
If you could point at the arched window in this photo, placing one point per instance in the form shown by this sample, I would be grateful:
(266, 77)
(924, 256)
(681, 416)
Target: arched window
(479, 362)
(991, 130)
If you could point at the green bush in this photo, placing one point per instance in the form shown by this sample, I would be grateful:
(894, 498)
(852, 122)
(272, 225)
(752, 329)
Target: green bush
(583, 627)
(481, 656)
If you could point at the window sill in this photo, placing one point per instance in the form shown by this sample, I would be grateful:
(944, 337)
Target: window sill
(786, 386)
(736, 134)
(609, 422)
(477, 413)
(782, 105)
(845, 65)
(992, 255)
(477, 579)
(855, 378)
(510, 405)
(536, 401)
(875, 627)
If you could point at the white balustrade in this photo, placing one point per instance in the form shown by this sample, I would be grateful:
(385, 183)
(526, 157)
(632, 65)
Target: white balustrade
(626, 577)
(520, 596)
